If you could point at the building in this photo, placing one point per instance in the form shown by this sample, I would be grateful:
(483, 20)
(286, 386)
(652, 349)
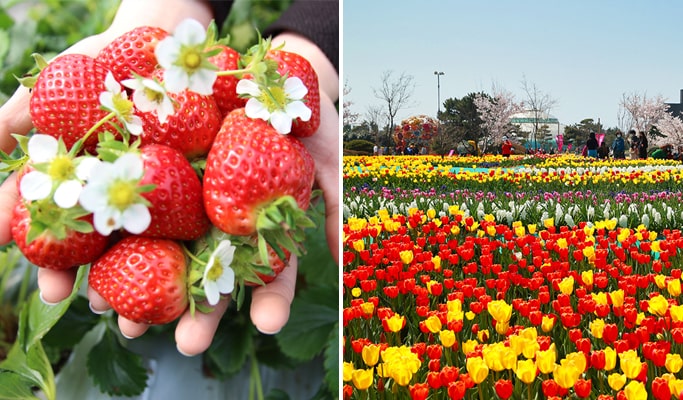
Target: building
(548, 129)
(676, 109)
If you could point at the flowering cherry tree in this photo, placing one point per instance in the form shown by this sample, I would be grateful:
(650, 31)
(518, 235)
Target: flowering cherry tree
(495, 112)
(639, 112)
(671, 127)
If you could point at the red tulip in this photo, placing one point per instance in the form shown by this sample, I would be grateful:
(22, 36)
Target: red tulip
(434, 380)
(456, 390)
(582, 388)
(503, 388)
(550, 388)
(660, 389)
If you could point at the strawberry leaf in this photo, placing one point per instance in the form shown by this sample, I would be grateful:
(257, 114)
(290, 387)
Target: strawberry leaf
(14, 386)
(331, 360)
(115, 369)
(231, 346)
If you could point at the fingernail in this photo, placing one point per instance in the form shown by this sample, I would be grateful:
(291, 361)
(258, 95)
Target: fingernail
(266, 332)
(96, 311)
(183, 353)
(127, 337)
(40, 295)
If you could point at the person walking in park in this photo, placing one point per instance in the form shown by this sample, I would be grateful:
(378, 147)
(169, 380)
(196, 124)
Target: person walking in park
(633, 141)
(619, 147)
(592, 146)
(506, 147)
(603, 151)
(642, 146)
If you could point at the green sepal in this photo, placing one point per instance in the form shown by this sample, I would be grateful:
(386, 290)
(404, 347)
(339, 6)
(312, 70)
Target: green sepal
(47, 216)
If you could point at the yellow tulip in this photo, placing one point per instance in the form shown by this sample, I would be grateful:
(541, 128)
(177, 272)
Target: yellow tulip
(673, 363)
(477, 369)
(566, 375)
(526, 371)
(447, 338)
(359, 245)
(676, 385)
(545, 360)
(599, 298)
(356, 292)
(491, 230)
(531, 228)
(517, 343)
(616, 381)
(406, 256)
(502, 327)
(370, 354)
(520, 231)
(395, 322)
(657, 305)
(630, 363)
(436, 260)
(431, 213)
(589, 253)
(433, 323)
(674, 287)
(500, 310)
(597, 327)
(660, 281)
(549, 223)
(587, 277)
(469, 346)
(676, 313)
(362, 378)
(547, 323)
(562, 243)
(470, 315)
(483, 335)
(368, 308)
(610, 358)
(567, 285)
(401, 375)
(347, 369)
(577, 359)
(529, 351)
(617, 297)
(635, 391)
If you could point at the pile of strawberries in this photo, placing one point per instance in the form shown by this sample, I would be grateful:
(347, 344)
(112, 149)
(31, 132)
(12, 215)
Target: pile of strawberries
(203, 196)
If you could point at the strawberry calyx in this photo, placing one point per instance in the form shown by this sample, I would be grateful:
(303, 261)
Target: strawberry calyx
(46, 216)
(282, 225)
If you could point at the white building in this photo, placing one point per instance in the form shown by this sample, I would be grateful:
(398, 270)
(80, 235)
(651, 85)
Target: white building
(548, 128)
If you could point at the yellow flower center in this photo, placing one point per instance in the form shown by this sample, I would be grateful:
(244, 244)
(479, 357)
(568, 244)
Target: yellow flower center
(122, 194)
(153, 95)
(215, 271)
(123, 106)
(61, 168)
(273, 98)
(192, 59)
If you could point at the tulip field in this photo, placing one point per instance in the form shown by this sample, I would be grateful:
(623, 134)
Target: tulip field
(555, 277)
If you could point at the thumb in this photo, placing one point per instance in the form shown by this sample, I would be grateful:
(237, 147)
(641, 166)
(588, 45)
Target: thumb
(270, 303)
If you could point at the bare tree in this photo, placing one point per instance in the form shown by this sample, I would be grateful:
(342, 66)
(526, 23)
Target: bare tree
(374, 115)
(495, 111)
(539, 105)
(640, 112)
(395, 92)
(349, 117)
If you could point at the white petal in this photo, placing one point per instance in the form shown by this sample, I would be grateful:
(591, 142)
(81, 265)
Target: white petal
(190, 32)
(255, 109)
(225, 252)
(211, 292)
(111, 84)
(42, 148)
(297, 109)
(107, 220)
(129, 166)
(167, 51)
(85, 167)
(152, 85)
(133, 83)
(136, 219)
(202, 80)
(295, 89)
(281, 122)
(35, 185)
(165, 109)
(107, 100)
(245, 86)
(135, 126)
(67, 193)
(176, 79)
(226, 282)
(142, 102)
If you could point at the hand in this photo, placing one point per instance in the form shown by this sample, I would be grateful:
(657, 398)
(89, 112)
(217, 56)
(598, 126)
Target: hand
(270, 304)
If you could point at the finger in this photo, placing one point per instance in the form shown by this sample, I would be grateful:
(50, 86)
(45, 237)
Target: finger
(55, 286)
(194, 334)
(270, 303)
(130, 329)
(98, 304)
(14, 118)
(8, 199)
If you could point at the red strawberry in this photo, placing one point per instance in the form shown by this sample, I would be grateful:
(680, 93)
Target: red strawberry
(224, 89)
(143, 279)
(65, 99)
(132, 52)
(177, 209)
(294, 65)
(191, 129)
(47, 250)
(251, 165)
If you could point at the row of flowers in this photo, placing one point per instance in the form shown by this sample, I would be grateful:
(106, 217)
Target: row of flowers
(455, 306)
(655, 210)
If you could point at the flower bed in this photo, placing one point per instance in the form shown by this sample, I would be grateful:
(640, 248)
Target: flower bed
(447, 295)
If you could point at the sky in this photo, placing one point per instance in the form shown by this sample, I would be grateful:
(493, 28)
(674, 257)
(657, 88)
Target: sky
(584, 54)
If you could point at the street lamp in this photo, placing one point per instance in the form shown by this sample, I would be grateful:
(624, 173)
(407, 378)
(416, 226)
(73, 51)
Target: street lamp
(438, 91)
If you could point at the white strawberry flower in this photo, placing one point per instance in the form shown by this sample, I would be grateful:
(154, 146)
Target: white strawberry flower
(278, 105)
(182, 56)
(150, 96)
(116, 101)
(219, 277)
(54, 169)
(112, 194)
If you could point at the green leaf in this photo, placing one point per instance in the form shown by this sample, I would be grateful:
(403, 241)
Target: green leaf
(231, 346)
(42, 317)
(313, 315)
(72, 326)
(115, 369)
(269, 353)
(277, 394)
(14, 387)
(37, 360)
(34, 368)
(331, 360)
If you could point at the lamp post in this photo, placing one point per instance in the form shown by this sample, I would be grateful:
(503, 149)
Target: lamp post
(438, 91)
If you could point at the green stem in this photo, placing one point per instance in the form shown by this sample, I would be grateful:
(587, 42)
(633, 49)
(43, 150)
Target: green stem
(255, 381)
(99, 123)
(192, 256)
(10, 258)
(481, 393)
(528, 391)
